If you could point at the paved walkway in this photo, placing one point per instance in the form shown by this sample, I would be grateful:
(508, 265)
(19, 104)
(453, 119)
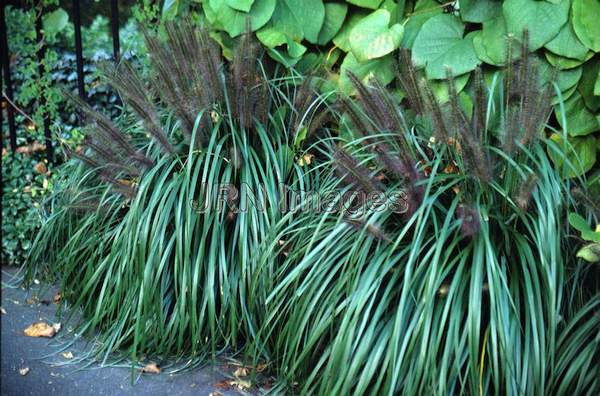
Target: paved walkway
(43, 358)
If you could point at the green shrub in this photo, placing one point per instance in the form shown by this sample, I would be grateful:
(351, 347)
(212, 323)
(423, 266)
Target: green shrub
(473, 287)
(26, 181)
(128, 238)
(361, 36)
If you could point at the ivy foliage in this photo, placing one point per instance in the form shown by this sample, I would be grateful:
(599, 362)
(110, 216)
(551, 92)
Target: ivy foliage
(362, 36)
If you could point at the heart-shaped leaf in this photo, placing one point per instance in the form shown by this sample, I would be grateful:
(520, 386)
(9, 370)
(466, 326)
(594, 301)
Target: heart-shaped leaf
(234, 21)
(591, 74)
(542, 19)
(567, 44)
(586, 23)
(590, 253)
(342, 39)
(479, 10)
(562, 63)
(381, 68)
(335, 14)
(491, 42)
(424, 10)
(580, 121)
(373, 4)
(55, 21)
(371, 38)
(240, 5)
(299, 19)
(440, 46)
(580, 153)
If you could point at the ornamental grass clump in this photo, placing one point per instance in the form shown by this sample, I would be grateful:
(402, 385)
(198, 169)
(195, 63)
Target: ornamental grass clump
(445, 264)
(153, 231)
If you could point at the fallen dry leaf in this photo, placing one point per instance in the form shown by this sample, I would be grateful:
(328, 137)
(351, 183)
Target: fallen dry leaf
(3, 311)
(151, 368)
(24, 371)
(241, 372)
(40, 168)
(57, 298)
(42, 329)
(67, 355)
(306, 159)
(241, 384)
(222, 385)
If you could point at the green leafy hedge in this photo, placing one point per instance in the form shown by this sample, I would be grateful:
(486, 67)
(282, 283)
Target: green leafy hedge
(362, 36)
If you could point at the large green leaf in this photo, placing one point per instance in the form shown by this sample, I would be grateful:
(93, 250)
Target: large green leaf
(562, 63)
(586, 23)
(234, 21)
(440, 46)
(272, 38)
(371, 38)
(591, 73)
(170, 9)
(567, 44)
(373, 4)
(424, 9)
(335, 14)
(342, 39)
(441, 89)
(580, 120)
(55, 21)
(299, 19)
(381, 68)
(491, 42)
(542, 19)
(240, 5)
(479, 10)
(580, 153)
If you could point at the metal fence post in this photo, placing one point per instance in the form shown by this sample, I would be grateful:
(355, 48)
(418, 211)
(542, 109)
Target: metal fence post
(6, 72)
(114, 9)
(42, 99)
(78, 50)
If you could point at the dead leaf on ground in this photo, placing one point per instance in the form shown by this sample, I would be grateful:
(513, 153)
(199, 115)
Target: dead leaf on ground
(42, 329)
(57, 298)
(241, 384)
(24, 371)
(67, 355)
(3, 311)
(222, 385)
(215, 394)
(40, 168)
(151, 368)
(241, 372)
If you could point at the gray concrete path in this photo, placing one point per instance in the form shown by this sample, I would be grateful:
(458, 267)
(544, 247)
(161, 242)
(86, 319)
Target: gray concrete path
(44, 362)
